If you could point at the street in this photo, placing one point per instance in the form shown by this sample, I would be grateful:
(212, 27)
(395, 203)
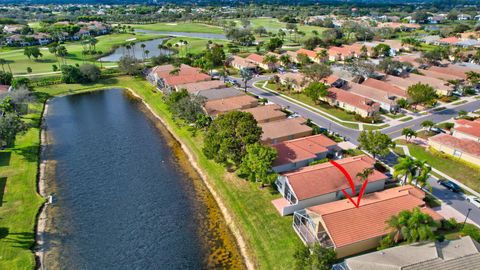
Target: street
(455, 200)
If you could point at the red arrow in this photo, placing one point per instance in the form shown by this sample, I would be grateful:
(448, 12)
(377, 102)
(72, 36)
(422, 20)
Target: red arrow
(352, 185)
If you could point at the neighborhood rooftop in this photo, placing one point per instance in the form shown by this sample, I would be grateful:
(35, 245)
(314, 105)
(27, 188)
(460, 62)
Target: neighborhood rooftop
(465, 145)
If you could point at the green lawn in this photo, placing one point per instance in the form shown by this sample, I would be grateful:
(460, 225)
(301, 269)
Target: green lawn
(468, 175)
(195, 45)
(406, 119)
(180, 27)
(19, 200)
(459, 102)
(270, 238)
(19, 62)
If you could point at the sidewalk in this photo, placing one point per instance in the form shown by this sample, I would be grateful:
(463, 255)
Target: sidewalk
(448, 212)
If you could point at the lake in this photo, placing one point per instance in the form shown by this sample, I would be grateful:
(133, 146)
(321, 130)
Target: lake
(137, 51)
(126, 197)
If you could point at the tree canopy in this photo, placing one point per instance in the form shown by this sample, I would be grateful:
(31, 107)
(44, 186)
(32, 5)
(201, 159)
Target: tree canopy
(315, 90)
(375, 142)
(256, 165)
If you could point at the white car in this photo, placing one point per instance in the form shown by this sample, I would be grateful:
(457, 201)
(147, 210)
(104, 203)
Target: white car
(474, 200)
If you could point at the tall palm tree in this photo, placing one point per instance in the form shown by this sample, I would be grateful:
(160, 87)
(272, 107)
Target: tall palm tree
(407, 167)
(270, 60)
(143, 50)
(423, 174)
(147, 52)
(409, 133)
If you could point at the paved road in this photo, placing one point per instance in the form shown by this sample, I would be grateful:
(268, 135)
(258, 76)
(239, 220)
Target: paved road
(436, 117)
(316, 118)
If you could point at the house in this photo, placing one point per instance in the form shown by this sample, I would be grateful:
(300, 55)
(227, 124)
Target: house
(267, 113)
(467, 129)
(463, 253)
(258, 60)
(351, 102)
(323, 183)
(218, 106)
(42, 38)
(167, 77)
(387, 102)
(239, 63)
(432, 39)
(283, 130)
(441, 73)
(399, 25)
(389, 89)
(436, 19)
(17, 40)
(343, 53)
(13, 28)
(447, 41)
(293, 56)
(312, 55)
(470, 35)
(458, 147)
(350, 230)
(298, 80)
(441, 87)
(220, 93)
(464, 17)
(194, 88)
(396, 46)
(298, 153)
(468, 43)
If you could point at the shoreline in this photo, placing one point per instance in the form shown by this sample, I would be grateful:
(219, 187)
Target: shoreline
(242, 246)
(42, 217)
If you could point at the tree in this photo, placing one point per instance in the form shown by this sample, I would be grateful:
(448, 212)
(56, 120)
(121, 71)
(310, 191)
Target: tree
(273, 44)
(409, 133)
(364, 174)
(303, 59)
(375, 142)
(5, 78)
(130, 65)
(312, 42)
(285, 60)
(407, 167)
(421, 93)
(270, 60)
(90, 72)
(402, 103)
(228, 136)
(29, 70)
(28, 52)
(318, 258)
(21, 82)
(246, 75)
(392, 67)
(473, 77)
(361, 68)
(62, 52)
(33, 52)
(315, 90)
(10, 126)
(215, 55)
(71, 74)
(412, 226)
(260, 31)
(256, 165)
(316, 72)
(188, 107)
(382, 50)
(428, 124)
(462, 113)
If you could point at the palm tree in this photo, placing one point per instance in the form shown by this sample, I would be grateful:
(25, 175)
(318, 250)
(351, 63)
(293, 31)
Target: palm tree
(365, 173)
(407, 167)
(128, 47)
(412, 226)
(289, 83)
(143, 50)
(321, 55)
(428, 124)
(270, 60)
(147, 52)
(285, 60)
(423, 174)
(409, 133)
(93, 42)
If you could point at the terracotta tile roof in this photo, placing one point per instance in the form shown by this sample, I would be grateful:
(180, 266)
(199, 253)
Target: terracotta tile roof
(283, 128)
(335, 50)
(440, 75)
(409, 59)
(4, 88)
(266, 113)
(241, 62)
(352, 99)
(320, 179)
(435, 83)
(369, 92)
(309, 53)
(301, 149)
(386, 87)
(214, 107)
(182, 78)
(398, 82)
(346, 224)
(293, 55)
(296, 76)
(330, 79)
(465, 145)
(450, 40)
(451, 69)
(256, 58)
(468, 127)
(196, 87)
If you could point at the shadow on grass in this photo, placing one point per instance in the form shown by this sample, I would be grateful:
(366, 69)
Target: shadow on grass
(3, 232)
(5, 158)
(3, 183)
(30, 153)
(24, 240)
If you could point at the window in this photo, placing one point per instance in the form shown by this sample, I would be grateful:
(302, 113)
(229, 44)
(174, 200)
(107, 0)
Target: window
(457, 153)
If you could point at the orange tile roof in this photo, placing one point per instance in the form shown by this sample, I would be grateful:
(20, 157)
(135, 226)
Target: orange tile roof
(267, 112)
(386, 87)
(4, 88)
(255, 58)
(330, 79)
(214, 107)
(449, 40)
(309, 53)
(186, 74)
(346, 224)
(335, 50)
(320, 179)
(440, 75)
(465, 145)
(283, 128)
(451, 69)
(369, 92)
(241, 62)
(352, 99)
(301, 149)
(468, 127)
(196, 87)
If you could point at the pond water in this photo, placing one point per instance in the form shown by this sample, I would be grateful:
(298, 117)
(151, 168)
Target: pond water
(137, 51)
(125, 195)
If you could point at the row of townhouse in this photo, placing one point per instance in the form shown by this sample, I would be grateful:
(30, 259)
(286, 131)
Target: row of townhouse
(463, 143)
(253, 62)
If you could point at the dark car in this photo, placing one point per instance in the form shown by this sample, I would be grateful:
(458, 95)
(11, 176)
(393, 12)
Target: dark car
(450, 185)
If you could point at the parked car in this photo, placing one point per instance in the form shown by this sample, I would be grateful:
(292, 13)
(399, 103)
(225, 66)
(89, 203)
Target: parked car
(450, 185)
(474, 200)
(437, 130)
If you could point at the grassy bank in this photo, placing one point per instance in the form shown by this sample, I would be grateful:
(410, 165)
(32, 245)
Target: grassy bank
(19, 62)
(270, 238)
(19, 201)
